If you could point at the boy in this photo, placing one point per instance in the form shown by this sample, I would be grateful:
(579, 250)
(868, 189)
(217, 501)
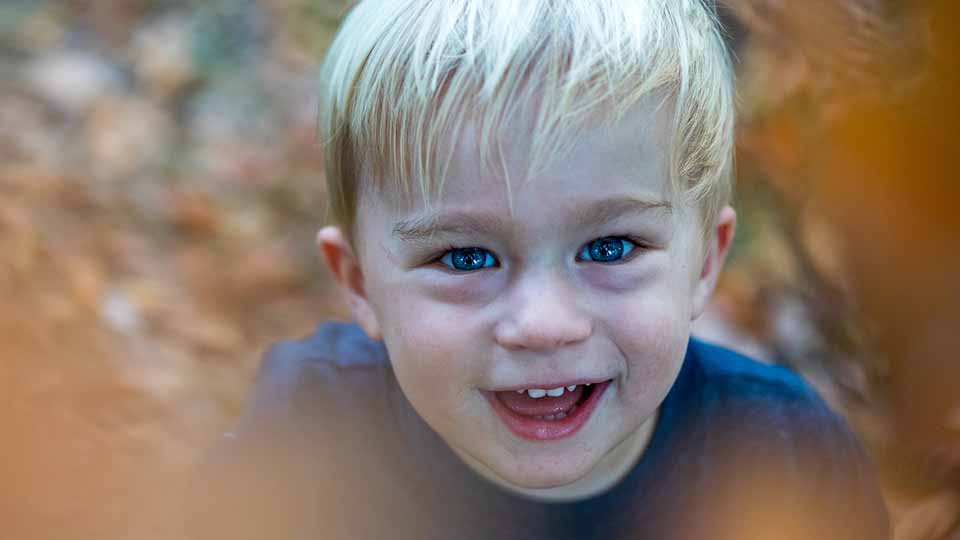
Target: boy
(530, 207)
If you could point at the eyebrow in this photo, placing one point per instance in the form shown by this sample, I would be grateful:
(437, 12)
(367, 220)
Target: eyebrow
(423, 227)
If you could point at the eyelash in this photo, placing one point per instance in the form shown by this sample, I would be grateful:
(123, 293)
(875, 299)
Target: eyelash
(638, 247)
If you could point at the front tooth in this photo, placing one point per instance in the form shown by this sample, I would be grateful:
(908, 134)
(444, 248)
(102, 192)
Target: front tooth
(536, 393)
(555, 392)
(571, 388)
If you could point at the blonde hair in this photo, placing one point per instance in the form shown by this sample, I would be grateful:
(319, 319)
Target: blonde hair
(402, 77)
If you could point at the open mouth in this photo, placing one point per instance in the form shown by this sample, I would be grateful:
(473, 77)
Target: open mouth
(543, 415)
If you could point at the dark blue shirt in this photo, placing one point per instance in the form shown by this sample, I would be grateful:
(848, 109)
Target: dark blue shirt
(330, 448)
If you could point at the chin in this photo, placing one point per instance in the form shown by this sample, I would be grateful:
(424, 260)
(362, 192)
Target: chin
(546, 483)
(544, 476)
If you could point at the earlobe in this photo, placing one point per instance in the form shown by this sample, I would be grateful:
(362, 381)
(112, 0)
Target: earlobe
(346, 271)
(720, 239)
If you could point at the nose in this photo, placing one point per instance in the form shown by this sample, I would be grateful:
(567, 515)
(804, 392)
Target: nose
(542, 314)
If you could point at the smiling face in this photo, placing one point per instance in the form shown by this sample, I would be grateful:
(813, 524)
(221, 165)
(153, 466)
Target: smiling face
(594, 277)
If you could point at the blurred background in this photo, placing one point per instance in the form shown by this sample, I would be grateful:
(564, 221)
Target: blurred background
(161, 183)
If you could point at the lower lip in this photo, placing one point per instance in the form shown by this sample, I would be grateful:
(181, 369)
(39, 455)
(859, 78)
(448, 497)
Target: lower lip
(533, 429)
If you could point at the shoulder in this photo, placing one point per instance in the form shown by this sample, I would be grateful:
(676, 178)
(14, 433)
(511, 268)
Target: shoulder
(744, 399)
(336, 364)
(328, 392)
(722, 366)
(729, 383)
(310, 422)
(780, 448)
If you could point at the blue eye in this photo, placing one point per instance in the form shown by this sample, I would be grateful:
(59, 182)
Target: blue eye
(468, 259)
(608, 249)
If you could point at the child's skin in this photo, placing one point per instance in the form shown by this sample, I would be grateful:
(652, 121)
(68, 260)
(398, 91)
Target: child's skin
(537, 308)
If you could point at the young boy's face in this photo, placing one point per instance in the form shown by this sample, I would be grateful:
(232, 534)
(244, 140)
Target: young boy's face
(594, 277)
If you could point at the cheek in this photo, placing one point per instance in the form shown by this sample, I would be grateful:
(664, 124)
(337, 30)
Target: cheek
(654, 350)
(431, 357)
(432, 343)
(653, 338)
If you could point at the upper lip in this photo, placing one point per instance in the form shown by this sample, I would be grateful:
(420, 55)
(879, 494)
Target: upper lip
(555, 384)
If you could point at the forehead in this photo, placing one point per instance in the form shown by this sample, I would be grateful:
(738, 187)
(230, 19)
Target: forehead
(625, 158)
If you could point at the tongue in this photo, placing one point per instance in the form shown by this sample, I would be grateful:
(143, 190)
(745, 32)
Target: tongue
(525, 405)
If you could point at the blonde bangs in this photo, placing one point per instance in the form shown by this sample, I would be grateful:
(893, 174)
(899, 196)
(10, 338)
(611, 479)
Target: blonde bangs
(403, 78)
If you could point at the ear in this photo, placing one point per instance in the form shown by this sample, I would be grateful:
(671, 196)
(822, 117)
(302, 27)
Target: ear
(719, 240)
(345, 267)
